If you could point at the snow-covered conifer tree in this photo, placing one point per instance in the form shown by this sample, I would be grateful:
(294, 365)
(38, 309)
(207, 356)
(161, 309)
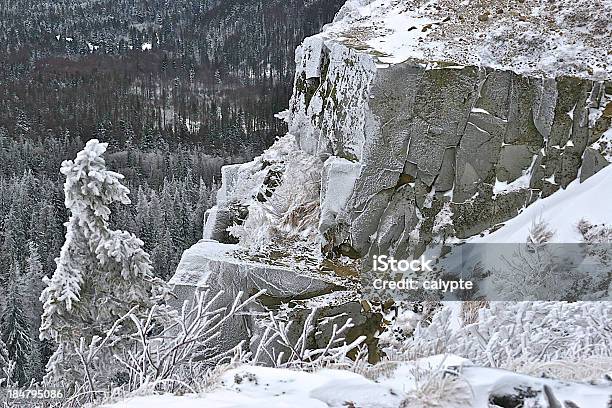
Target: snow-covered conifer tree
(14, 327)
(101, 276)
(34, 284)
(6, 365)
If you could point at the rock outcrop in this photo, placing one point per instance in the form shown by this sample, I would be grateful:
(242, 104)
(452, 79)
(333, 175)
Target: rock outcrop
(391, 151)
(428, 135)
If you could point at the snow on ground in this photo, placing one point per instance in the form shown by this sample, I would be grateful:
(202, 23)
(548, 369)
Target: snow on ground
(251, 387)
(530, 36)
(562, 211)
(276, 388)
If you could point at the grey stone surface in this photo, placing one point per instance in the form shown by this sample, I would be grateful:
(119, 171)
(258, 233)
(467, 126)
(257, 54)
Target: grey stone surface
(513, 160)
(220, 268)
(327, 312)
(446, 177)
(396, 222)
(521, 128)
(456, 130)
(544, 106)
(217, 220)
(224, 267)
(448, 129)
(476, 159)
(592, 162)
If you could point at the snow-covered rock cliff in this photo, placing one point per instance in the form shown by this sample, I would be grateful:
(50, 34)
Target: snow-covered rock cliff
(446, 130)
(412, 125)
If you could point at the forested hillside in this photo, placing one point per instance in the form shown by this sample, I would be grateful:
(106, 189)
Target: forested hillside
(177, 88)
(210, 72)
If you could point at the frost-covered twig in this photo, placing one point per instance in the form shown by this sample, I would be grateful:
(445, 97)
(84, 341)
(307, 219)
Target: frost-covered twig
(300, 353)
(187, 341)
(524, 336)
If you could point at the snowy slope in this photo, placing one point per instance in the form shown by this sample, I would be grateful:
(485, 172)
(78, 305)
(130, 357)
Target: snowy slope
(251, 387)
(563, 210)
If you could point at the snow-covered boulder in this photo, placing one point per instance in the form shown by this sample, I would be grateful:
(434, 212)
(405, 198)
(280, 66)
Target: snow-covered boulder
(225, 268)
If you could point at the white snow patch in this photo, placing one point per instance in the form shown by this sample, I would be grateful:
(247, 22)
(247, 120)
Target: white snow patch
(504, 187)
(313, 50)
(523, 182)
(535, 37)
(571, 113)
(283, 115)
(479, 110)
(255, 387)
(210, 219)
(390, 30)
(189, 271)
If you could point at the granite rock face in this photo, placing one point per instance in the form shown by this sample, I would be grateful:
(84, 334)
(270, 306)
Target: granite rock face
(429, 134)
(394, 158)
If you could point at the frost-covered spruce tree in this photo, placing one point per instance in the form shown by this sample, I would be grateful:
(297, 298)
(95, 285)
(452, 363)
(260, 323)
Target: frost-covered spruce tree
(6, 366)
(101, 276)
(14, 327)
(34, 285)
